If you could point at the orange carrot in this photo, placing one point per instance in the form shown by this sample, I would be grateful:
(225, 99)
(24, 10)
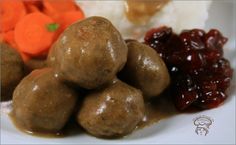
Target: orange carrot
(11, 12)
(32, 35)
(53, 8)
(41, 55)
(33, 5)
(33, 2)
(50, 10)
(61, 5)
(68, 18)
(25, 57)
(8, 37)
(31, 8)
(1, 37)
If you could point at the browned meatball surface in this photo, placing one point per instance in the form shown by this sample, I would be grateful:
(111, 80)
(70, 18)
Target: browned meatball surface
(145, 70)
(41, 103)
(12, 70)
(89, 53)
(113, 111)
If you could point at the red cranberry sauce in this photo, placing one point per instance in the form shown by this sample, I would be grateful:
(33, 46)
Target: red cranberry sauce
(200, 75)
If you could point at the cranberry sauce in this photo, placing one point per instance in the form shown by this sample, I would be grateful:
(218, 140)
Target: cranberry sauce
(199, 72)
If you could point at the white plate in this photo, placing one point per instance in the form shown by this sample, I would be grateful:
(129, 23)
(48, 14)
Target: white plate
(175, 130)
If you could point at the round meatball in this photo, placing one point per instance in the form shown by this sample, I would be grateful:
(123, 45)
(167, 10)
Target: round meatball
(12, 71)
(113, 111)
(41, 103)
(89, 53)
(145, 70)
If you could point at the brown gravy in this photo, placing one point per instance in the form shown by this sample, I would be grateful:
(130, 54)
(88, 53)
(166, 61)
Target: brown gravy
(140, 11)
(156, 110)
(39, 134)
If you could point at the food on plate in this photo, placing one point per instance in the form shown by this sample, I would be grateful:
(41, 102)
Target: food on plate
(34, 63)
(33, 6)
(89, 53)
(83, 71)
(64, 12)
(112, 111)
(8, 38)
(31, 27)
(12, 70)
(11, 12)
(36, 39)
(68, 18)
(42, 103)
(200, 74)
(53, 8)
(141, 11)
(177, 14)
(145, 70)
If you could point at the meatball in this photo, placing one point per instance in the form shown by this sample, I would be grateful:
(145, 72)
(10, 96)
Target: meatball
(113, 111)
(145, 70)
(12, 70)
(41, 103)
(89, 53)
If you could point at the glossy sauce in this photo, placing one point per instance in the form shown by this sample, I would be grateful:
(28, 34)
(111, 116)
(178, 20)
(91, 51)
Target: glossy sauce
(38, 134)
(140, 11)
(155, 110)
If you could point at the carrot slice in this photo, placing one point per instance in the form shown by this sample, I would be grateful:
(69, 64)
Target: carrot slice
(33, 2)
(50, 10)
(8, 37)
(54, 8)
(61, 5)
(31, 8)
(32, 35)
(1, 37)
(25, 57)
(11, 11)
(33, 5)
(68, 18)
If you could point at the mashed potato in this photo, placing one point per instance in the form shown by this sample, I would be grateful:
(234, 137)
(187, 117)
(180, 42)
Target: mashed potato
(177, 14)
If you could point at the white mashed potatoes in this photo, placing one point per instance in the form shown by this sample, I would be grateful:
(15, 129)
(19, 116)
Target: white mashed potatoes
(176, 14)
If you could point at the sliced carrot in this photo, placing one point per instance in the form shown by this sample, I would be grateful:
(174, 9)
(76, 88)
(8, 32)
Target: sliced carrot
(8, 37)
(1, 37)
(61, 5)
(68, 18)
(43, 54)
(32, 35)
(33, 5)
(11, 12)
(25, 57)
(33, 2)
(53, 8)
(50, 10)
(31, 8)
